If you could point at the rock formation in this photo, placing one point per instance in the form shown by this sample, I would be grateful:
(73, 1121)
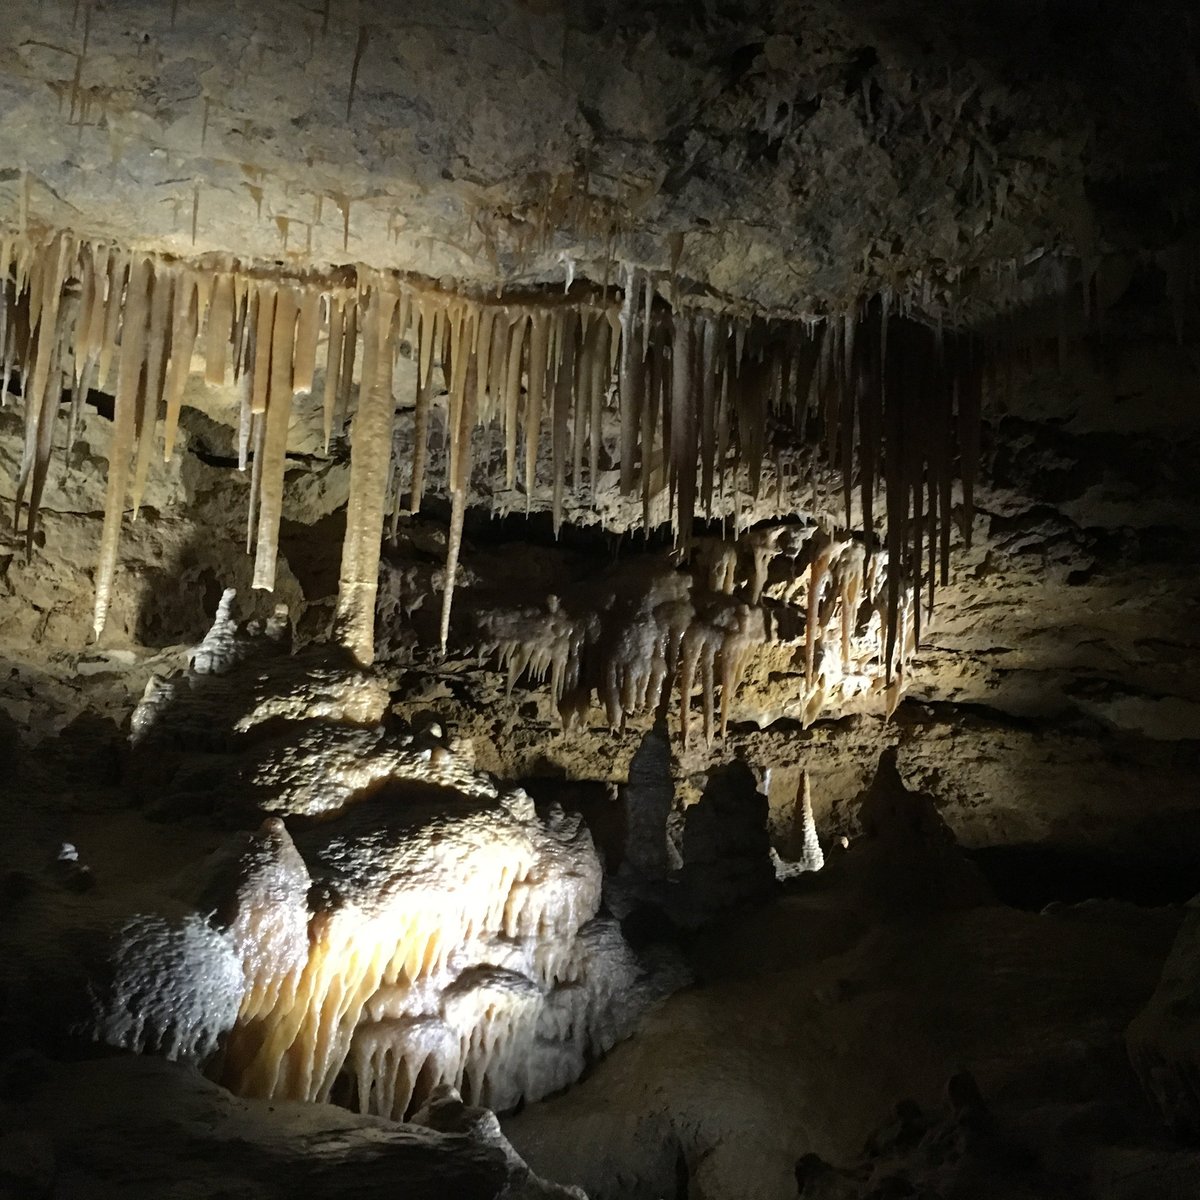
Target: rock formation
(421, 927)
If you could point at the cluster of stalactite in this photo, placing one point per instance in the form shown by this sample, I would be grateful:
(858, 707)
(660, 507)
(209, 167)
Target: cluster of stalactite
(891, 401)
(647, 628)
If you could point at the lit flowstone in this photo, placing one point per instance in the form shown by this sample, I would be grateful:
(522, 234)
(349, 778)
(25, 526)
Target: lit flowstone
(428, 934)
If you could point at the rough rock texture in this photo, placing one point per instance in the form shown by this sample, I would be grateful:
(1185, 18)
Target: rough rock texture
(960, 1149)
(1053, 702)
(786, 155)
(718, 852)
(411, 924)
(1022, 169)
(126, 1127)
(813, 1023)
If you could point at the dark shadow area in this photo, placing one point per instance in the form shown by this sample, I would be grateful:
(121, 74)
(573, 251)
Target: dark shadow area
(1030, 876)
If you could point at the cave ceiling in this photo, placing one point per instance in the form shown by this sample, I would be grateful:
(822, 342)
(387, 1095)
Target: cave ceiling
(786, 157)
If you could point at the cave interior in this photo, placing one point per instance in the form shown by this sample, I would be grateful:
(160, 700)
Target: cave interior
(600, 599)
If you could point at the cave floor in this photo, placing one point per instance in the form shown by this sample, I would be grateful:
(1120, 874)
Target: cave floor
(812, 1018)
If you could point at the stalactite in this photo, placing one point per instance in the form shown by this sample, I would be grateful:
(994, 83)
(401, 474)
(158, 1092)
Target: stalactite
(94, 261)
(220, 328)
(308, 324)
(129, 371)
(563, 392)
(183, 339)
(512, 396)
(420, 444)
(349, 349)
(282, 334)
(580, 388)
(151, 390)
(255, 435)
(601, 373)
(242, 311)
(878, 395)
(460, 482)
(44, 380)
(260, 371)
(371, 445)
(482, 351)
(683, 429)
(538, 345)
(245, 423)
(630, 382)
(333, 364)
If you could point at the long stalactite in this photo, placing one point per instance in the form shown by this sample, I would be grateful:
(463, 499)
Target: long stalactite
(697, 396)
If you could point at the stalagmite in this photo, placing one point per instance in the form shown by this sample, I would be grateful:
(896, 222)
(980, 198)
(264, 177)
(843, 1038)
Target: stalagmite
(811, 855)
(458, 948)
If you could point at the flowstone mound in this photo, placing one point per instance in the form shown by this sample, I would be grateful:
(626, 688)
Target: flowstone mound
(398, 922)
